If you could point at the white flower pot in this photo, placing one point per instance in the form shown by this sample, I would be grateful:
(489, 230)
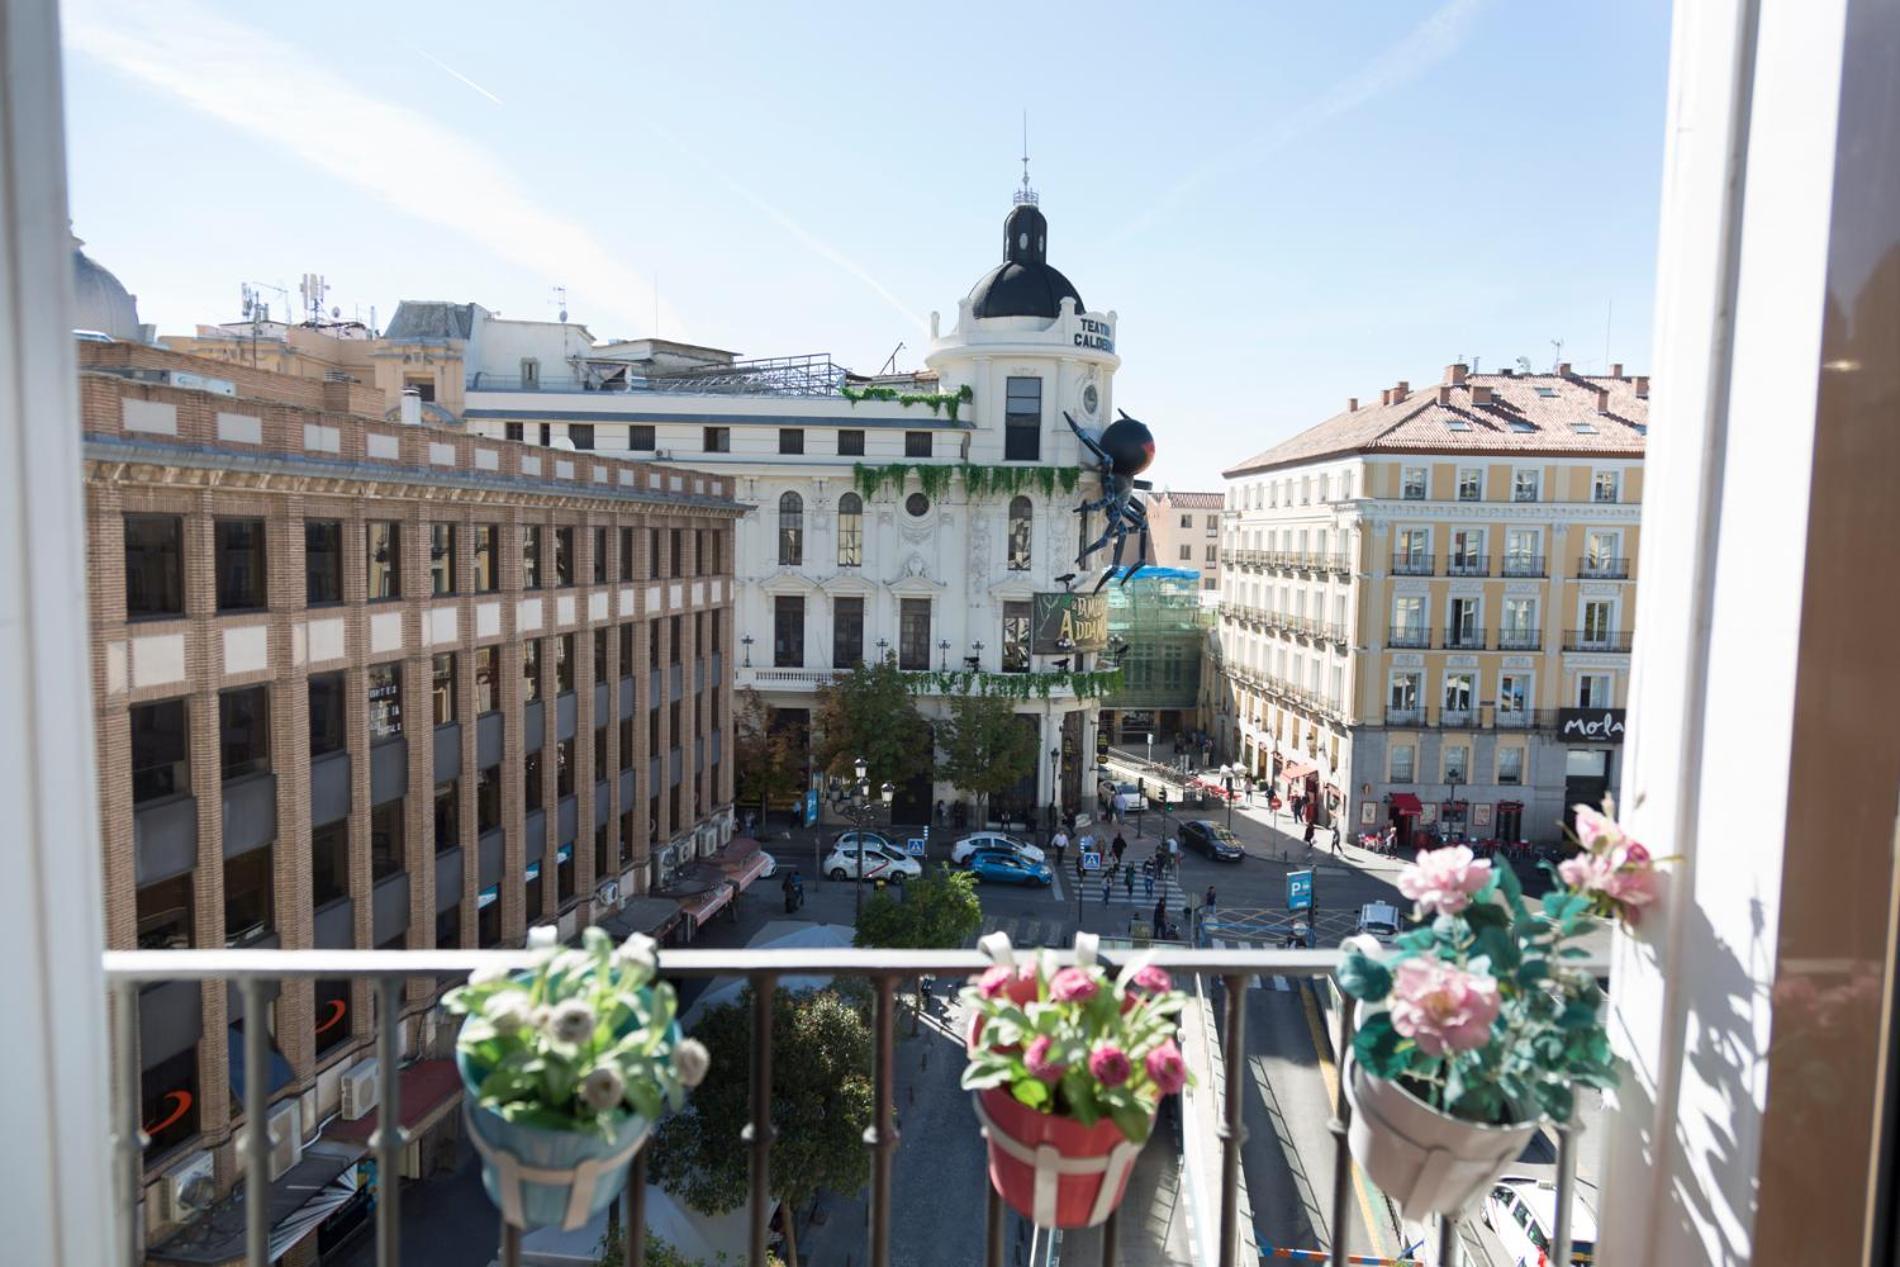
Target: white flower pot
(1428, 1162)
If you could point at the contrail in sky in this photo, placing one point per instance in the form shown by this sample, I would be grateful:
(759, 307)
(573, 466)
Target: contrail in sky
(1423, 47)
(447, 69)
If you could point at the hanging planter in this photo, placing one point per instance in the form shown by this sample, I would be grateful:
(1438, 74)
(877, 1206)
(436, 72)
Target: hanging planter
(567, 1068)
(1427, 1161)
(1068, 1068)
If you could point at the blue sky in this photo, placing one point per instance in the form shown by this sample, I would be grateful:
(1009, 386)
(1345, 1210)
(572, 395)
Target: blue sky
(1286, 203)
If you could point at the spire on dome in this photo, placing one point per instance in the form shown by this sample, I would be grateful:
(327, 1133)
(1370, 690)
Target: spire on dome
(1025, 196)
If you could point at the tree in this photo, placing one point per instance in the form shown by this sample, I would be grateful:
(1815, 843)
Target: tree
(986, 749)
(612, 1252)
(821, 1107)
(869, 713)
(769, 765)
(938, 912)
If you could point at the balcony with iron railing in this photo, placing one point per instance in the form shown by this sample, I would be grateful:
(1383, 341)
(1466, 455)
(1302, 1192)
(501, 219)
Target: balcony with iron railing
(1336, 633)
(1404, 716)
(1523, 565)
(1520, 639)
(1213, 1208)
(1468, 565)
(1464, 639)
(1413, 637)
(1412, 565)
(1596, 640)
(1602, 568)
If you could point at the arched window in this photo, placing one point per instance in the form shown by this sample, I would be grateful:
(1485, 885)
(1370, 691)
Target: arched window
(1020, 515)
(850, 531)
(791, 530)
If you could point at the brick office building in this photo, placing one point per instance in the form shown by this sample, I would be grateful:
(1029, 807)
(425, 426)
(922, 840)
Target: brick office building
(367, 684)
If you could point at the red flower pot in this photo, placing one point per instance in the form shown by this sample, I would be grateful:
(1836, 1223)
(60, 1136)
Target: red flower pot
(1052, 1170)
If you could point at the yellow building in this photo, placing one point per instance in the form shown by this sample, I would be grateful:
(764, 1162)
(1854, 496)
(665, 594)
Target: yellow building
(1426, 603)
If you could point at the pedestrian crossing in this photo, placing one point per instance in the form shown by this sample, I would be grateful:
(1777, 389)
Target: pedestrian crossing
(1259, 980)
(1141, 897)
(1029, 930)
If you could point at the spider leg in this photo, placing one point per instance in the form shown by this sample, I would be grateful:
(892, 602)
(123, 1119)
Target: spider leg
(1101, 454)
(1099, 503)
(1107, 532)
(1120, 530)
(1143, 553)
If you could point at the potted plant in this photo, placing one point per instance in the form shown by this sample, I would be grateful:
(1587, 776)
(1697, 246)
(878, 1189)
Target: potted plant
(567, 1067)
(1068, 1067)
(1479, 1024)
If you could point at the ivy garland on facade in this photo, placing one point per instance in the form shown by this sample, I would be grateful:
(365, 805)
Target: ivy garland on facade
(1091, 685)
(945, 402)
(999, 481)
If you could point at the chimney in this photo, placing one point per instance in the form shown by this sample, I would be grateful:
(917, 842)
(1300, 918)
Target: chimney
(1508, 372)
(1642, 386)
(1480, 395)
(1352, 404)
(411, 407)
(1603, 400)
(1455, 373)
(1385, 397)
(1616, 369)
(1444, 394)
(1563, 369)
(1400, 392)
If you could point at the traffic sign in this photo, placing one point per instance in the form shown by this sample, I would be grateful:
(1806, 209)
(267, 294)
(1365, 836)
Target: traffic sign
(811, 807)
(915, 846)
(1299, 890)
(1091, 862)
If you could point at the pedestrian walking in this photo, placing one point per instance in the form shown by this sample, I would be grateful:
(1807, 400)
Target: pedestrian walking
(1148, 874)
(1120, 847)
(1309, 835)
(1108, 887)
(1128, 880)
(1174, 854)
(1121, 807)
(1208, 902)
(1060, 844)
(1335, 837)
(940, 812)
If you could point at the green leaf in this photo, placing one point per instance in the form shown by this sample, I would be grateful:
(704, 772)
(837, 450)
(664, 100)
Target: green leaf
(1381, 1049)
(1363, 977)
(1134, 1121)
(1033, 1092)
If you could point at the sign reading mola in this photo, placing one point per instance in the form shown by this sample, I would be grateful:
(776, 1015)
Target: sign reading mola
(1069, 622)
(1590, 725)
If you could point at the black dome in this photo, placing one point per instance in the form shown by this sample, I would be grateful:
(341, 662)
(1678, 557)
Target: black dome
(1024, 284)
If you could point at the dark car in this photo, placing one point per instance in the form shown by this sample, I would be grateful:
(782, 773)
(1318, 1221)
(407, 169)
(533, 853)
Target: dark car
(1212, 839)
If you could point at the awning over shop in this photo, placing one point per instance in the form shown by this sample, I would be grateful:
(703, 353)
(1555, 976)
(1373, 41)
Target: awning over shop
(654, 916)
(303, 1197)
(1406, 803)
(703, 906)
(1297, 770)
(430, 1090)
(1511, 805)
(1455, 807)
(742, 860)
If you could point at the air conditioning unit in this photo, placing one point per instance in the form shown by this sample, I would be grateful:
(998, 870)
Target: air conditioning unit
(284, 1124)
(362, 1089)
(186, 1190)
(662, 455)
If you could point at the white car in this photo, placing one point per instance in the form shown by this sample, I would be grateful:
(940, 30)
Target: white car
(962, 851)
(882, 860)
(1380, 920)
(1522, 1212)
(771, 866)
(1129, 790)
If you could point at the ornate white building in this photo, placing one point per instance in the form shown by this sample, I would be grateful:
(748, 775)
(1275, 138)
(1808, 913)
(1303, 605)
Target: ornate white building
(914, 516)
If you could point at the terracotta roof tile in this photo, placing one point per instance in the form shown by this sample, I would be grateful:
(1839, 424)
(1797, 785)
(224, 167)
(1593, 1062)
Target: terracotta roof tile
(1518, 418)
(1192, 501)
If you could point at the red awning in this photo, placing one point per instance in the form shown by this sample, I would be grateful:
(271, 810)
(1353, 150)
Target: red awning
(1406, 803)
(1516, 805)
(1297, 770)
(429, 1089)
(741, 860)
(703, 906)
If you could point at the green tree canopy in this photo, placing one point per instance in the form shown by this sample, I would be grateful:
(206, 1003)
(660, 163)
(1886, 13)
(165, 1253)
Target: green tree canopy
(869, 713)
(986, 748)
(821, 1106)
(770, 765)
(938, 912)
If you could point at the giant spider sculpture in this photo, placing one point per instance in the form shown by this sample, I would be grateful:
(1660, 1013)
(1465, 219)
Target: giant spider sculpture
(1124, 450)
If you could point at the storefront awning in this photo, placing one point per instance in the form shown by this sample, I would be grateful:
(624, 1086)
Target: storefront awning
(1406, 803)
(703, 906)
(742, 860)
(654, 916)
(1511, 805)
(1297, 770)
(430, 1091)
(301, 1198)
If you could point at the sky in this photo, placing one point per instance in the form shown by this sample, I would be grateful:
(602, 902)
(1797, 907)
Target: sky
(1285, 203)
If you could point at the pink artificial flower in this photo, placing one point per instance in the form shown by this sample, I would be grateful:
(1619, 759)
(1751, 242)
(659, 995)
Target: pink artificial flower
(1584, 872)
(1595, 828)
(994, 981)
(1166, 1068)
(1633, 881)
(1444, 880)
(1072, 985)
(1110, 1065)
(1152, 979)
(1442, 1008)
(1038, 1062)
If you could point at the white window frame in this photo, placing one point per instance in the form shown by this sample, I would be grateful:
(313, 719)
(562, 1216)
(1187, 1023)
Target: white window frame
(1615, 477)
(1607, 676)
(1615, 623)
(1392, 763)
(1471, 690)
(1392, 678)
(1499, 772)
(1475, 473)
(1405, 542)
(1424, 602)
(1423, 475)
(1530, 690)
(1445, 763)
(1534, 477)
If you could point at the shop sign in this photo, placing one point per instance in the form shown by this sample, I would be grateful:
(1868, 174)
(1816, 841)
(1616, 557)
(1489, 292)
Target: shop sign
(1481, 814)
(1064, 622)
(1590, 725)
(1095, 334)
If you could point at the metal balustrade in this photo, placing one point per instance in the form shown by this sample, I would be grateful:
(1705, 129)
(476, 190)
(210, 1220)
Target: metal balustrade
(1464, 639)
(252, 971)
(1592, 640)
(1603, 569)
(1523, 565)
(1409, 636)
(1520, 639)
(1412, 565)
(1468, 565)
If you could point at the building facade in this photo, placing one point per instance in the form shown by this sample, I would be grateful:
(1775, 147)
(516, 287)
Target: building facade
(374, 685)
(914, 517)
(1165, 628)
(1186, 532)
(1427, 603)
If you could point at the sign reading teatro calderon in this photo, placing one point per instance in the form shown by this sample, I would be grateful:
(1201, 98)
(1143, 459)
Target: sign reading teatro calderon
(1590, 725)
(1069, 622)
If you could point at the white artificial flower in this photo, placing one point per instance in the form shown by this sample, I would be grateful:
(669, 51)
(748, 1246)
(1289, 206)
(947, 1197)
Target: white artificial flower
(543, 937)
(1365, 943)
(997, 947)
(509, 1011)
(571, 961)
(639, 951)
(1087, 945)
(482, 976)
(572, 1022)
(541, 1017)
(602, 1089)
(691, 1059)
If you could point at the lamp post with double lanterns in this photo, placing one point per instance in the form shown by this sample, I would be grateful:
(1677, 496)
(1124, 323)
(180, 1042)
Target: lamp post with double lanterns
(1055, 789)
(853, 800)
(747, 642)
(1227, 781)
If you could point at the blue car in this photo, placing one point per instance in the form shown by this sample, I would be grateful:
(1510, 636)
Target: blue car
(999, 866)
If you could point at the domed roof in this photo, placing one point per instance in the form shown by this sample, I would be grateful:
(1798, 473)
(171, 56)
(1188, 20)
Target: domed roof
(100, 301)
(1024, 284)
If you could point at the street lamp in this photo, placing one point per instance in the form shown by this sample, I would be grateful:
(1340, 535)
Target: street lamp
(883, 645)
(854, 802)
(1227, 780)
(943, 655)
(1451, 783)
(747, 643)
(1151, 747)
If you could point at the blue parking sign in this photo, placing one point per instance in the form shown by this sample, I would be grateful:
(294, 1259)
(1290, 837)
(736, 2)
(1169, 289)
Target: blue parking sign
(1299, 890)
(811, 807)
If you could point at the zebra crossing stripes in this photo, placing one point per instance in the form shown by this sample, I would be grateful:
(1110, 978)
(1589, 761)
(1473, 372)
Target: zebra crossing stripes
(1118, 894)
(1259, 980)
(1029, 930)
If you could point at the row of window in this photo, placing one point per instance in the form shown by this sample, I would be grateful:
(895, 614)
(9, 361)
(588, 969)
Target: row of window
(1212, 553)
(1527, 485)
(1280, 492)
(913, 634)
(1516, 693)
(1455, 763)
(154, 560)
(791, 529)
(1464, 616)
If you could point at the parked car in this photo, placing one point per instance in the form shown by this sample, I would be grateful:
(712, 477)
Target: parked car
(771, 866)
(1106, 790)
(882, 859)
(1522, 1212)
(961, 852)
(1206, 836)
(1380, 921)
(1006, 866)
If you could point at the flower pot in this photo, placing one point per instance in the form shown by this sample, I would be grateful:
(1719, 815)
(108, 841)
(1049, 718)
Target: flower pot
(1052, 1170)
(1427, 1161)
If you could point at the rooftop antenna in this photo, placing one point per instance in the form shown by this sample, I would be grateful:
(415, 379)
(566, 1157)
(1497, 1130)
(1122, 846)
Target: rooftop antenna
(1558, 359)
(1609, 312)
(1524, 365)
(1025, 195)
(890, 362)
(560, 299)
(314, 290)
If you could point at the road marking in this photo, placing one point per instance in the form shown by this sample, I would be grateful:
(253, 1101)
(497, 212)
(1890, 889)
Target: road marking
(1330, 1075)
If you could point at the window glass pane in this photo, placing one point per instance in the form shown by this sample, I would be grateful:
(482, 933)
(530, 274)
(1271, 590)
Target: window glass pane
(788, 631)
(487, 569)
(626, 554)
(791, 530)
(244, 731)
(851, 443)
(323, 561)
(487, 679)
(1016, 638)
(850, 531)
(239, 547)
(441, 558)
(161, 762)
(164, 914)
(326, 713)
(530, 670)
(563, 664)
(791, 440)
(385, 561)
(448, 815)
(329, 862)
(442, 688)
(488, 800)
(154, 572)
(847, 632)
(640, 437)
(600, 556)
(916, 444)
(626, 649)
(247, 897)
(913, 633)
(1021, 522)
(531, 556)
(1022, 420)
(385, 701)
(386, 839)
(563, 556)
